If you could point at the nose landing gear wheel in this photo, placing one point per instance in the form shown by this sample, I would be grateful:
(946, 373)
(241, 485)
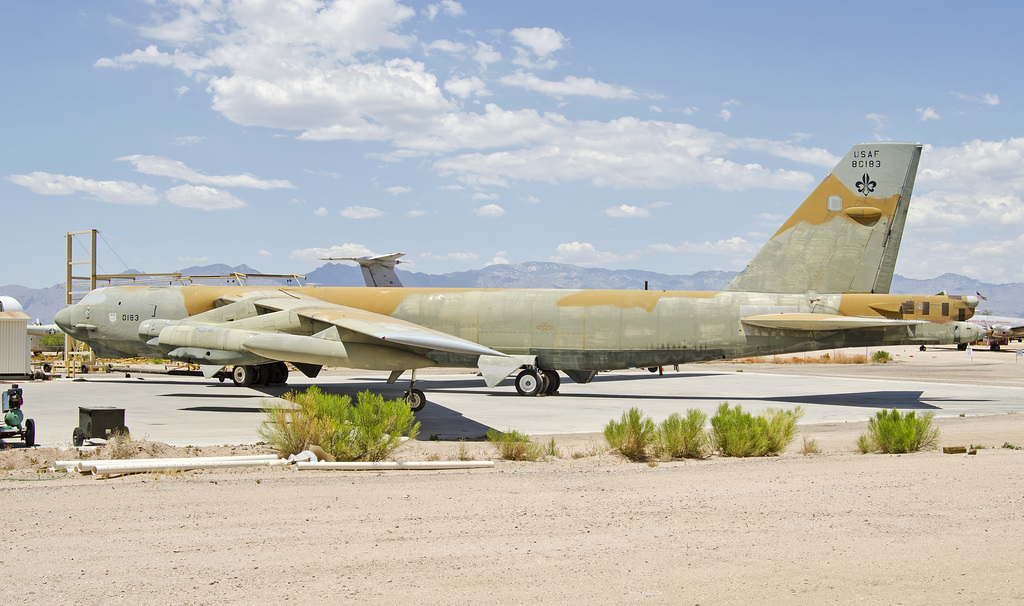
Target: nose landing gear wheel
(415, 399)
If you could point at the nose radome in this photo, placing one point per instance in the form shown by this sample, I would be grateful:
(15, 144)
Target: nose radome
(63, 319)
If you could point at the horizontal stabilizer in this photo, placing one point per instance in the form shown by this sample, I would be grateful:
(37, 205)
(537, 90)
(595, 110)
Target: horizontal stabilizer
(819, 322)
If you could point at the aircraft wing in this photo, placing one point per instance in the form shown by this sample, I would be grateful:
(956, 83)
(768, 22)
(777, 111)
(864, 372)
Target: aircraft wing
(819, 322)
(360, 325)
(303, 330)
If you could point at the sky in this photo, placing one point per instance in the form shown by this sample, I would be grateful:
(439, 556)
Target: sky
(667, 136)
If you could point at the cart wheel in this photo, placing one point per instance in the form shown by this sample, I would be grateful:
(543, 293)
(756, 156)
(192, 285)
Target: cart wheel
(78, 437)
(30, 433)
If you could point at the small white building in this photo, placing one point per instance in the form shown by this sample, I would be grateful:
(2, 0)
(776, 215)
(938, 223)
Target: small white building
(15, 355)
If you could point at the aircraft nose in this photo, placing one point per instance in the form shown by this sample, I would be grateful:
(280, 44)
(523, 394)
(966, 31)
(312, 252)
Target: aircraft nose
(63, 319)
(971, 333)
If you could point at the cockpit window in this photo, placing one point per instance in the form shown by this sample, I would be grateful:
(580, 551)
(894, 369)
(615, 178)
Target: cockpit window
(94, 297)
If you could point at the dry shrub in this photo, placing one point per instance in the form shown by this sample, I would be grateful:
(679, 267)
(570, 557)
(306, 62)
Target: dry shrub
(514, 446)
(120, 446)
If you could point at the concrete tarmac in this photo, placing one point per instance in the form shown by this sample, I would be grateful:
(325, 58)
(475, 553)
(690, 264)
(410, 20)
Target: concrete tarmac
(194, 411)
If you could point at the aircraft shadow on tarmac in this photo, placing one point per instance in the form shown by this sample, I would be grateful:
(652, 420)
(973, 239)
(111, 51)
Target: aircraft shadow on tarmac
(434, 419)
(247, 409)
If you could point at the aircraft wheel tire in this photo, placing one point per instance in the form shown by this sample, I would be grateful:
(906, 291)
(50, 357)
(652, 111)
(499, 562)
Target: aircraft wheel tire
(416, 400)
(994, 347)
(29, 433)
(78, 437)
(552, 381)
(244, 376)
(961, 346)
(278, 373)
(528, 383)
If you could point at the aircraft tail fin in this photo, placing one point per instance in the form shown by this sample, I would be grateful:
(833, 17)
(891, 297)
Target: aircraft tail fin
(846, 234)
(378, 271)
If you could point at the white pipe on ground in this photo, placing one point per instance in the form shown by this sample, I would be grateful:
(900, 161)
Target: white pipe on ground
(388, 465)
(136, 466)
(63, 465)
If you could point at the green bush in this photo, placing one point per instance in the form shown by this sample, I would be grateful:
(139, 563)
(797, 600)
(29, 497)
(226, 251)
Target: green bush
(632, 435)
(735, 433)
(55, 339)
(881, 357)
(514, 446)
(683, 437)
(369, 431)
(893, 433)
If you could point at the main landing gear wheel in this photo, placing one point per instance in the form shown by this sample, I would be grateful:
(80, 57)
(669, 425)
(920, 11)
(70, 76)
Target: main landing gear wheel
(551, 381)
(994, 347)
(276, 373)
(415, 399)
(529, 383)
(961, 346)
(244, 376)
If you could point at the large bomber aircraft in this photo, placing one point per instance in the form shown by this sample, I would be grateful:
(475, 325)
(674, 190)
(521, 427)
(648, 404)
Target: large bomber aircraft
(820, 282)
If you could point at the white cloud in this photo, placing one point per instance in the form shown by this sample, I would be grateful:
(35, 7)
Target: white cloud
(203, 198)
(582, 253)
(314, 69)
(361, 212)
(627, 211)
(467, 87)
(654, 109)
(489, 210)
(975, 183)
(725, 115)
(485, 54)
(455, 256)
(570, 85)
(320, 212)
(532, 199)
(264, 253)
(448, 7)
(927, 114)
(447, 46)
(398, 189)
(165, 167)
(416, 213)
(626, 152)
(984, 99)
(314, 255)
(500, 258)
(187, 140)
(181, 90)
(542, 41)
(484, 196)
(730, 103)
(114, 192)
(731, 246)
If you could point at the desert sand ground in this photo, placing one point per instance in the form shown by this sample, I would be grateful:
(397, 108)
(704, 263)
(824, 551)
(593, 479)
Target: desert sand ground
(586, 527)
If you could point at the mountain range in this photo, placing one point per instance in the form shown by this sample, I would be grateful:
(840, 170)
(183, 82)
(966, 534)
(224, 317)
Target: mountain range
(1002, 299)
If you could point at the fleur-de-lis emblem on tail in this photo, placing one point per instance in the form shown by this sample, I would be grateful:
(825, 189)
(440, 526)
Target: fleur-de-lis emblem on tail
(865, 186)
